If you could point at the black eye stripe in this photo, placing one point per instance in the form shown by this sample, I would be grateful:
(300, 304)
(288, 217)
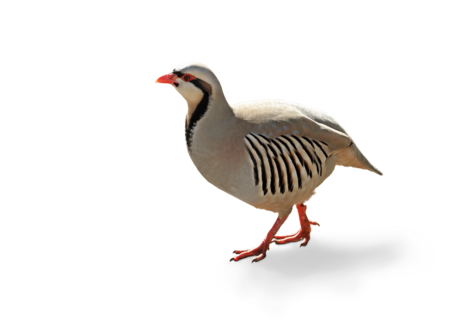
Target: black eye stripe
(178, 73)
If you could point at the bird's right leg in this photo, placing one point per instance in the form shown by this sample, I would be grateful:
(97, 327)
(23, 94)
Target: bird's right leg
(305, 227)
(259, 251)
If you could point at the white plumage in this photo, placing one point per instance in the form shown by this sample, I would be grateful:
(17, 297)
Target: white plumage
(270, 154)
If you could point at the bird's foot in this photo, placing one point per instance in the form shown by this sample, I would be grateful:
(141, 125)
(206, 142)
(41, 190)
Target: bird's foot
(299, 234)
(295, 233)
(303, 233)
(259, 252)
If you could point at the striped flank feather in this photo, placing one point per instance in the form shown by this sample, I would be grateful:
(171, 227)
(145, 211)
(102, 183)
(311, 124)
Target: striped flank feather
(278, 162)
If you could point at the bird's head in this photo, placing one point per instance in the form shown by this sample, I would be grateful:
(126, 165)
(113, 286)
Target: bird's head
(193, 81)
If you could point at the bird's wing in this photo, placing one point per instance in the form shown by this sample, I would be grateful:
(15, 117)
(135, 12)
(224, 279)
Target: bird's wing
(277, 119)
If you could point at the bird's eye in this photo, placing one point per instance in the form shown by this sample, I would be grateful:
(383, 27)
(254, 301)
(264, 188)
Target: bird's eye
(187, 78)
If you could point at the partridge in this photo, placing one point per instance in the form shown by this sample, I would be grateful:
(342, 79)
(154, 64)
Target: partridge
(270, 154)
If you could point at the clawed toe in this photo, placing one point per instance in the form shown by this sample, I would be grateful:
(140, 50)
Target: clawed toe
(305, 242)
(314, 223)
(240, 251)
(259, 252)
(259, 258)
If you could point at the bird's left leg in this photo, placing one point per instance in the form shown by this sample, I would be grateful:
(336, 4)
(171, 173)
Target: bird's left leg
(260, 251)
(303, 233)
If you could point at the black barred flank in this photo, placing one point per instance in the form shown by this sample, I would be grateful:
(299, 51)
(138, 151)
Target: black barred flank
(279, 172)
(299, 156)
(255, 166)
(286, 164)
(263, 167)
(271, 166)
(321, 148)
(318, 161)
(281, 151)
(309, 141)
(292, 157)
(311, 157)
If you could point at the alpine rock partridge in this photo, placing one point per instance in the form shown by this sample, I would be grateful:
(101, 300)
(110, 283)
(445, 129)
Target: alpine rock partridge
(270, 154)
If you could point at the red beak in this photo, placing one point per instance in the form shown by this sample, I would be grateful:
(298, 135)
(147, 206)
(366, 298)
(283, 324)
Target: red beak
(167, 79)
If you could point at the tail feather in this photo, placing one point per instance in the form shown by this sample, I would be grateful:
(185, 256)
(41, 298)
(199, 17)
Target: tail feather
(352, 157)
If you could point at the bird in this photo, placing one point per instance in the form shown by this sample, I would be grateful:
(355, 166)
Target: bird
(271, 154)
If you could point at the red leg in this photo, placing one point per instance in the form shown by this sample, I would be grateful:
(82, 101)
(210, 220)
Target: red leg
(260, 251)
(303, 233)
